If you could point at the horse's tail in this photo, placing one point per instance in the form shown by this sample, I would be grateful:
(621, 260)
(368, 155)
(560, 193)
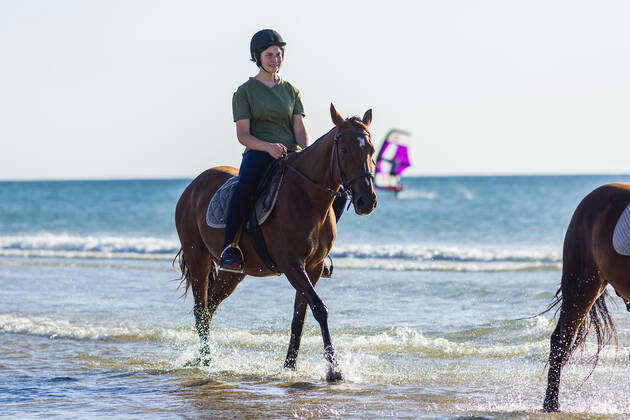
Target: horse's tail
(599, 318)
(180, 257)
(579, 274)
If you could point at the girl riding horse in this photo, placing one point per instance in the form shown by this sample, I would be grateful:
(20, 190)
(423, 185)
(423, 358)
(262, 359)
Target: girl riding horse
(268, 113)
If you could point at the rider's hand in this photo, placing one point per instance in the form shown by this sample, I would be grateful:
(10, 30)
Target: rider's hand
(276, 150)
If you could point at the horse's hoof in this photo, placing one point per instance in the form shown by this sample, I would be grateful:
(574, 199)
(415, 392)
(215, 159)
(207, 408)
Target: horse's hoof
(196, 362)
(290, 365)
(333, 376)
(192, 363)
(551, 407)
(203, 360)
(204, 355)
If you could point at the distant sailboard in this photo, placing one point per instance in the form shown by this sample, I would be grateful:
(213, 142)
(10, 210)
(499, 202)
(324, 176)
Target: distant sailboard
(392, 160)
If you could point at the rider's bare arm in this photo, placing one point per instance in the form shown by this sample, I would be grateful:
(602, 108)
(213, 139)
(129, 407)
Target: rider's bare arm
(299, 131)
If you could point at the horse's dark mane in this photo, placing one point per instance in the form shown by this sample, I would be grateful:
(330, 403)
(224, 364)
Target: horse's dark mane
(355, 120)
(320, 139)
(292, 156)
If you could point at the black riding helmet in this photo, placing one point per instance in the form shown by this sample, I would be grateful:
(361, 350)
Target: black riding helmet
(263, 40)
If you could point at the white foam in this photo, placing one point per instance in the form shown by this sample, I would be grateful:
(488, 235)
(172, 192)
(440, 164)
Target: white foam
(416, 257)
(397, 355)
(55, 327)
(73, 246)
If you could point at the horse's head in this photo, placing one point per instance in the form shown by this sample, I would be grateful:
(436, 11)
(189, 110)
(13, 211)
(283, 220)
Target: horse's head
(352, 157)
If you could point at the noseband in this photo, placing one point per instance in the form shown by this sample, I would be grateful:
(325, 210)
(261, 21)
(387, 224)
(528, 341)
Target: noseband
(344, 182)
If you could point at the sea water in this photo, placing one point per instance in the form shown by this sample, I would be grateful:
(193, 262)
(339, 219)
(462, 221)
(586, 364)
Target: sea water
(426, 309)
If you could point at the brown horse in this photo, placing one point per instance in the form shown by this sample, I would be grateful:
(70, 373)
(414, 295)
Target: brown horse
(299, 233)
(590, 263)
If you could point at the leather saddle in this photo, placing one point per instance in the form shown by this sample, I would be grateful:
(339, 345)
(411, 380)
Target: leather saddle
(266, 193)
(266, 197)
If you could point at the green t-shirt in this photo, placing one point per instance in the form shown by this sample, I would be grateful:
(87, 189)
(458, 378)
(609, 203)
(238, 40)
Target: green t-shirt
(270, 110)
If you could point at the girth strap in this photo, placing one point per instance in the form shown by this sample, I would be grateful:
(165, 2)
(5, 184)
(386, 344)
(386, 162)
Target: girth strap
(259, 244)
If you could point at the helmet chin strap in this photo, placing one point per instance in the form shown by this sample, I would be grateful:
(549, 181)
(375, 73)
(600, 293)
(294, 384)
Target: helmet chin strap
(259, 62)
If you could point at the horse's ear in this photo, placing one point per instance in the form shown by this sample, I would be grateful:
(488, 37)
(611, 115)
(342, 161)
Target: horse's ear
(367, 117)
(336, 118)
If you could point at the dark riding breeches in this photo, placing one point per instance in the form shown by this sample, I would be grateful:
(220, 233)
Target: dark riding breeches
(253, 167)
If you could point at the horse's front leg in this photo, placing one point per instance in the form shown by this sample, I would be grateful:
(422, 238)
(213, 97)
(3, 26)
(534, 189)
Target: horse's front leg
(299, 313)
(297, 324)
(300, 281)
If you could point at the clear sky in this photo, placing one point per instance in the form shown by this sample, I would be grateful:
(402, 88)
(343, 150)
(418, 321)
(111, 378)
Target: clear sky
(143, 88)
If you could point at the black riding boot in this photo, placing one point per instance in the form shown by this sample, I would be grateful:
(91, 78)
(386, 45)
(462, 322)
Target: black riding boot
(253, 166)
(231, 260)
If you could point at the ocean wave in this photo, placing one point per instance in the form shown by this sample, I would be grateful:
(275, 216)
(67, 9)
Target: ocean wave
(73, 246)
(56, 327)
(388, 342)
(409, 257)
(455, 254)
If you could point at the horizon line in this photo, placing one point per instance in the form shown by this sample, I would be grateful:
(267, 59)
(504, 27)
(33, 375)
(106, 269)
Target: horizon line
(416, 175)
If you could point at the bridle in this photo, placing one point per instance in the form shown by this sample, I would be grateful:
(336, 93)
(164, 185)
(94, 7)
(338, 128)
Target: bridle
(345, 183)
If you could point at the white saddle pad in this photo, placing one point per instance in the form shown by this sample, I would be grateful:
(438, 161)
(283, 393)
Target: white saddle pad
(621, 235)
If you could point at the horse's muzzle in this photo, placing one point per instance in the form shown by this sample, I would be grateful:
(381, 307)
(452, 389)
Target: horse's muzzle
(365, 203)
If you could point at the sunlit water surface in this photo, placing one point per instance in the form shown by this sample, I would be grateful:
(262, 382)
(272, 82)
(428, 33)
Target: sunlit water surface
(426, 307)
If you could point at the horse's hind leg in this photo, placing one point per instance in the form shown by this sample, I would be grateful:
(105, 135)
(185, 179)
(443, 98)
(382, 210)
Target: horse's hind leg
(199, 270)
(579, 293)
(221, 287)
(208, 295)
(297, 324)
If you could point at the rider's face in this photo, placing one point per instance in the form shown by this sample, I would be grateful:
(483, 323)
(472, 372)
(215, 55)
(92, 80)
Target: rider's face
(271, 59)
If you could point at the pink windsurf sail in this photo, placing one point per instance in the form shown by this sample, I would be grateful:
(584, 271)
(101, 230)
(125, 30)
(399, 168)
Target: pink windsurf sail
(392, 160)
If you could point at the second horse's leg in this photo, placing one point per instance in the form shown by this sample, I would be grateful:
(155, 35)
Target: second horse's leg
(573, 312)
(300, 281)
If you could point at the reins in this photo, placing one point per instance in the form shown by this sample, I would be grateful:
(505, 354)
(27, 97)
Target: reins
(326, 189)
(344, 182)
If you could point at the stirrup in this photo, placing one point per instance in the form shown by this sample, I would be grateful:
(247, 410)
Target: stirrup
(229, 270)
